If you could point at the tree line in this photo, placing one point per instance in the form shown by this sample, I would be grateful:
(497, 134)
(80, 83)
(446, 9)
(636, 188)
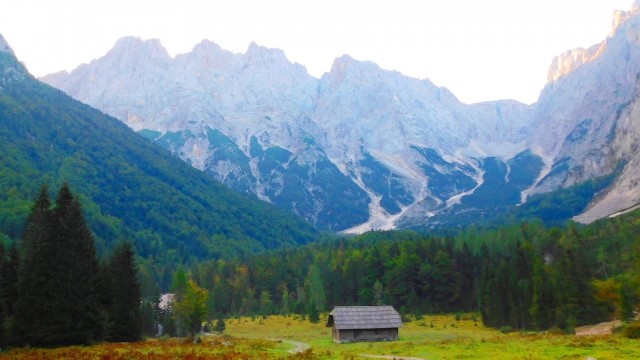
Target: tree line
(55, 291)
(524, 276)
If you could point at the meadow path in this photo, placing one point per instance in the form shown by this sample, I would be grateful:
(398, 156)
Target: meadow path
(390, 357)
(299, 346)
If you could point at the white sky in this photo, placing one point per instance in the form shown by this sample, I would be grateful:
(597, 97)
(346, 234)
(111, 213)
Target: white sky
(479, 49)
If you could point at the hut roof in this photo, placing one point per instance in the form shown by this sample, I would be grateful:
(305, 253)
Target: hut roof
(364, 317)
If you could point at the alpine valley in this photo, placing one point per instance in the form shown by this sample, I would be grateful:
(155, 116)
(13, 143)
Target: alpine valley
(365, 148)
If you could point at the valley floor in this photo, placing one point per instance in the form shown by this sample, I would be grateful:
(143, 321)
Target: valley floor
(428, 337)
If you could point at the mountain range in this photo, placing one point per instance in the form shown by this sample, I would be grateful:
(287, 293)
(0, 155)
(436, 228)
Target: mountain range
(130, 188)
(366, 148)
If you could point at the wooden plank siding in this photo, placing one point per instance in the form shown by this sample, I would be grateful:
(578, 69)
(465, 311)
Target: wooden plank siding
(364, 323)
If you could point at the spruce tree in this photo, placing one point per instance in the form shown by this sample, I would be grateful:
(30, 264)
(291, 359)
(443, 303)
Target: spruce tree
(148, 322)
(543, 301)
(4, 313)
(10, 272)
(76, 297)
(105, 298)
(8, 292)
(220, 325)
(125, 295)
(33, 307)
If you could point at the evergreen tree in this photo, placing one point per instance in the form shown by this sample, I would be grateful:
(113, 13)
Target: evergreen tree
(168, 322)
(125, 295)
(521, 287)
(76, 297)
(285, 300)
(313, 314)
(574, 287)
(378, 293)
(105, 298)
(10, 271)
(316, 288)
(148, 324)
(58, 278)
(220, 325)
(266, 305)
(543, 301)
(4, 311)
(8, 292)
(32, 323)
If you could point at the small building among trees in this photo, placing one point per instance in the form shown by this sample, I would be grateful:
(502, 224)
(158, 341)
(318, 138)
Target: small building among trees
(364, 323)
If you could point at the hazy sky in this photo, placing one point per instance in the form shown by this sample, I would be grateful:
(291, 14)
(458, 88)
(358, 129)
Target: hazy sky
(480, 50)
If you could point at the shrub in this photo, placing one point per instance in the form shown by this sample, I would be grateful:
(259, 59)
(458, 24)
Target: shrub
(468, 317)
(632, 330)
(506, 329)
(405, 318)
(555, 331)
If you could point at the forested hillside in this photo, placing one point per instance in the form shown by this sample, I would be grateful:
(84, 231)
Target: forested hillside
(130, 188)
(525, 276)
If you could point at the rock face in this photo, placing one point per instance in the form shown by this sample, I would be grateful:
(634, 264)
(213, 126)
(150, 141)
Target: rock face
(362, 147)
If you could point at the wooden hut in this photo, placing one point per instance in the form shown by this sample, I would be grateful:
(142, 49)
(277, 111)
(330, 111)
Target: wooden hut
(364, 323)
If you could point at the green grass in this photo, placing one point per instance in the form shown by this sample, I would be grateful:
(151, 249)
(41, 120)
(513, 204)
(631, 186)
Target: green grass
(430, 337)
(442, 337)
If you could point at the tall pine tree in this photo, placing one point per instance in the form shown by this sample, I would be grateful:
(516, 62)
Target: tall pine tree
(125, 295)
(33, 307)
(58, 277)
(4, 312)
(77, 294)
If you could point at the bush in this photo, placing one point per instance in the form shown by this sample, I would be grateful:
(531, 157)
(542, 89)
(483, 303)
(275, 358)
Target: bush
(618, 329)
(632, 331)
(555, 331)
(220, 325)
(506, 329)
(468, 317)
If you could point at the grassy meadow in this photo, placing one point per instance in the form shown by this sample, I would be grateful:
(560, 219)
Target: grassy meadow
(442, 337)
(428, 337)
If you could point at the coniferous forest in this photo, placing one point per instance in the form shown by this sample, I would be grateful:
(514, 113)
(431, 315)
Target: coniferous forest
(55, 291)
(524, 276)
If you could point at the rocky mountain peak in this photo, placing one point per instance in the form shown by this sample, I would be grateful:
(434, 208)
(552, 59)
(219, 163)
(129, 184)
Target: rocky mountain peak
(570, 60)
(338, 70)
(207, 54)
(257, 54)
(345, 67)
(136, 48)
(622, 16)
(210, 49)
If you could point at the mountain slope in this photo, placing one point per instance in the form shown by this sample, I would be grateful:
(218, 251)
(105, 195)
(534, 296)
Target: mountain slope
(336, 151)
(129, 187)
(364, 148)
(593, 103)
